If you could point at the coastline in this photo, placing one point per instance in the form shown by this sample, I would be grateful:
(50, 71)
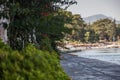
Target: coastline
(79, 68)
(70, 48)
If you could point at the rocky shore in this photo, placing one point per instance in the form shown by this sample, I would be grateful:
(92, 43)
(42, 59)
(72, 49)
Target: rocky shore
(79, 68)
(68, 48)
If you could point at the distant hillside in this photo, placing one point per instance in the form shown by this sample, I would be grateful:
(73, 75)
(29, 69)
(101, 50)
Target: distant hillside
(94, 18)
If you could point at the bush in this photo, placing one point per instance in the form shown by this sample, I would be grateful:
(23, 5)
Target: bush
(30, 64)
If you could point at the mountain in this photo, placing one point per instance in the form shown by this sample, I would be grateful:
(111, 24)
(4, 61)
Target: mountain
(93, 18)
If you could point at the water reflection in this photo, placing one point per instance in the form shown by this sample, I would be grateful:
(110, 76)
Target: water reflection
(109, 54)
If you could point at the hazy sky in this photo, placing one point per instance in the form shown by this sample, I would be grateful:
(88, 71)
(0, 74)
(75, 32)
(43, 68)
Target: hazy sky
(86, 8)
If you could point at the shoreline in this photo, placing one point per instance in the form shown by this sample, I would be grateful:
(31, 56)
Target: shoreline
(69, 48)
(79, 68)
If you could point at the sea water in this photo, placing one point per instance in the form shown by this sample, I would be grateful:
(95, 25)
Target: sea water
(107, 54)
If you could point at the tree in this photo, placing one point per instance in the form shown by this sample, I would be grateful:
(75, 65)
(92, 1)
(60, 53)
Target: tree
(118, 31)
(77, 25)
(105, 28)
(87, 36)
(55, 28)
(25, 17)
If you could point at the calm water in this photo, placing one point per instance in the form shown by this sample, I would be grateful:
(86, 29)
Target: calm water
(109, 55)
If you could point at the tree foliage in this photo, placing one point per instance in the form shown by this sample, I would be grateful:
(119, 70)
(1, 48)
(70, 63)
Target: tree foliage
(105, 28)
(77, 26)
(26, 17)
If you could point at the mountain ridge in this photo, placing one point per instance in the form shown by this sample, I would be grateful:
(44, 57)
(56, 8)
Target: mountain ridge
(93, 18)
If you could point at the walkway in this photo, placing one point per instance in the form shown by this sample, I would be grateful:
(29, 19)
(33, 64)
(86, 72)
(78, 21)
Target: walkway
(79, 68)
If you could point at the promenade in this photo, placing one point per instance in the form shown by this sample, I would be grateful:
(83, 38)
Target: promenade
(79, 68)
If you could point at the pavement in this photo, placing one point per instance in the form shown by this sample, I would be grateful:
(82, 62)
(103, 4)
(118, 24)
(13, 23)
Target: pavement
(79, 68)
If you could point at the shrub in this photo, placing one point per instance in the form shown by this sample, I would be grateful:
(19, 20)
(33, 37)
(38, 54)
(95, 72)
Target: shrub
(30, 64)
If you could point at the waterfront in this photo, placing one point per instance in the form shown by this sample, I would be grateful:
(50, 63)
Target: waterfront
(105, 54)
(93, 64)
(79, 68)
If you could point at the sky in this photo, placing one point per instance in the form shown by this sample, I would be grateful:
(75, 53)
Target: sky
(85, 8)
